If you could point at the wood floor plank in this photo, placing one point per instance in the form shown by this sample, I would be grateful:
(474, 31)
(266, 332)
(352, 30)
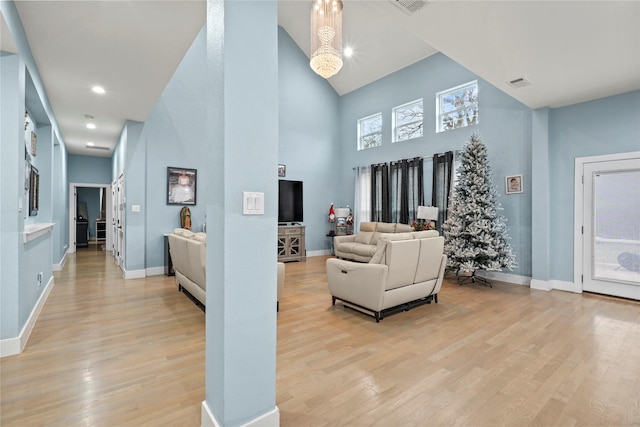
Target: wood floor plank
(112, 352)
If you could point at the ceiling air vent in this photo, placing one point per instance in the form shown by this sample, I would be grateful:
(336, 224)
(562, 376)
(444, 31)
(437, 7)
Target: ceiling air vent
(409, 6)
(519, 82)
(97, 147)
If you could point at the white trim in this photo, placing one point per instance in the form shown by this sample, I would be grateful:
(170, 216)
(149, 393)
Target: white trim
(578, 211)
(322, 252)
(514, 279)
(12, 346)
(270, 419)
(206, 416)
(541, 285)
(134, 274)
(561, 285)
(60, 265)
(154, 271)
(556, 285)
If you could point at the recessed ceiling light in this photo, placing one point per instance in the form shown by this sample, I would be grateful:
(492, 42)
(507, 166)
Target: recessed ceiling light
(91, 125)
(98, 89)
(90, 144)
(348, 51)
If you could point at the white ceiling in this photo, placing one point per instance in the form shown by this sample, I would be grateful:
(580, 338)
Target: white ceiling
(571, 51)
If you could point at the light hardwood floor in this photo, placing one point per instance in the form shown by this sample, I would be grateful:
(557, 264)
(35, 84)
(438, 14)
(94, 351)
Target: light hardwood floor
(110, 352)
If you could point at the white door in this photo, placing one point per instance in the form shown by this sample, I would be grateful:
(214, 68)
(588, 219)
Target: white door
(120, 223)
(114, 214)
(611, 220)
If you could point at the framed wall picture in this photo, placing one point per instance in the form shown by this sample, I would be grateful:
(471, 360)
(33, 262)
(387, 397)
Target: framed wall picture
(181, 186)
(513, 184)
(282, 171)
(34, 192)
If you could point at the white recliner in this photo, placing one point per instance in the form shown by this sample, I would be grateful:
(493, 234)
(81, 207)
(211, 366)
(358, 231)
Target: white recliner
(410, 273)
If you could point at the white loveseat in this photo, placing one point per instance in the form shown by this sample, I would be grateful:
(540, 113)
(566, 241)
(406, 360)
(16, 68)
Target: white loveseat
(409, 273)
(189, 256)
(363, 245)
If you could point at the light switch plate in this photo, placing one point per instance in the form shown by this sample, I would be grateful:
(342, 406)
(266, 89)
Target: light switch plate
(135, 208)
(252, 203)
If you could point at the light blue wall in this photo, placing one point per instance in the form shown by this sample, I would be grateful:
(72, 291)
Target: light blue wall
(504, 126)
(60, 202)
(604, 126)
(135, 171)
(20, 263)
(242, 154)
(89, 169)
(309, 138)
(11, 220)
(176, 137)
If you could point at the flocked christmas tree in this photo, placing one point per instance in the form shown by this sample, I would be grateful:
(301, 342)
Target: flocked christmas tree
(475, 234)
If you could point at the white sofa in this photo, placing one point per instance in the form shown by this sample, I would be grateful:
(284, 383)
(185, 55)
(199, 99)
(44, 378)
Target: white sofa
(405, 273)
(363, 245)
(189, 256)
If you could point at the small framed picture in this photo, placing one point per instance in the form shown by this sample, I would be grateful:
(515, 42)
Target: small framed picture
(282, 171)
(513, 184)
(181, 186)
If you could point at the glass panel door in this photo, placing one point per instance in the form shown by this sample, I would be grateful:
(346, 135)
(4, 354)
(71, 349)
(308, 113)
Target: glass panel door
(616, 226)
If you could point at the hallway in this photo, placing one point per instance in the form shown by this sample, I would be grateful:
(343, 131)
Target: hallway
(108, 352)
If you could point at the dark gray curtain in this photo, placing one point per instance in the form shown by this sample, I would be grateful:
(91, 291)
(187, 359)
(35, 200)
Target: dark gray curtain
(380, 206)
(443, 174)
(397, 190)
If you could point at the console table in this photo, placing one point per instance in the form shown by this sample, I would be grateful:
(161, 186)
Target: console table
(291, 243)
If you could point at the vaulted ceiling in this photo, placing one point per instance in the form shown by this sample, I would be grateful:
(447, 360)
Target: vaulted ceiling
(570, 51)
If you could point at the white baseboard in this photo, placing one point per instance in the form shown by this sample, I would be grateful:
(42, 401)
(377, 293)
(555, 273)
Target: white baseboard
(12, 346)
(318, 253)
(270, 419)
(60, 266)
(134, 274)
(541, 285)
(560, 285)
(155, 271)
(505, 277)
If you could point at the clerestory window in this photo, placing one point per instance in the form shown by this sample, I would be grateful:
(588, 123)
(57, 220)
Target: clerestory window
(457, 107)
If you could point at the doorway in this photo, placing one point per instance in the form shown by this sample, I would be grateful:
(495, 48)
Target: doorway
(608, 212)
(94, 218)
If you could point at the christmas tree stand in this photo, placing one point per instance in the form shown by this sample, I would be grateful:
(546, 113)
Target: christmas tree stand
(473, 278)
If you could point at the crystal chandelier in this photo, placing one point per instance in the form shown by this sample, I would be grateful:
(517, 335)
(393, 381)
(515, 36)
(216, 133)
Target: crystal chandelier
(326, 37)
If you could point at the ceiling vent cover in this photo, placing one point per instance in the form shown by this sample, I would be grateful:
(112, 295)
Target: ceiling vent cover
(519, 82)
(97, 147)
(409, 6)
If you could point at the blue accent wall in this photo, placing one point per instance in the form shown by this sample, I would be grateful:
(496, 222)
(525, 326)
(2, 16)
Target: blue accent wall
(309, 139)
(504, 125)
(175, 136)
(605, 126)
(89, 169)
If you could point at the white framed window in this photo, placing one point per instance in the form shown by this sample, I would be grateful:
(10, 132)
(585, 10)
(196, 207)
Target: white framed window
(457, 107)
(370, 131)
(408, 121)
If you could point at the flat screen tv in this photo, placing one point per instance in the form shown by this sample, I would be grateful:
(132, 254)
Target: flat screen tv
(290, 201)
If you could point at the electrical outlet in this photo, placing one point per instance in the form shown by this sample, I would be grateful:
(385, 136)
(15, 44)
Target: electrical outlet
(39, 284)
